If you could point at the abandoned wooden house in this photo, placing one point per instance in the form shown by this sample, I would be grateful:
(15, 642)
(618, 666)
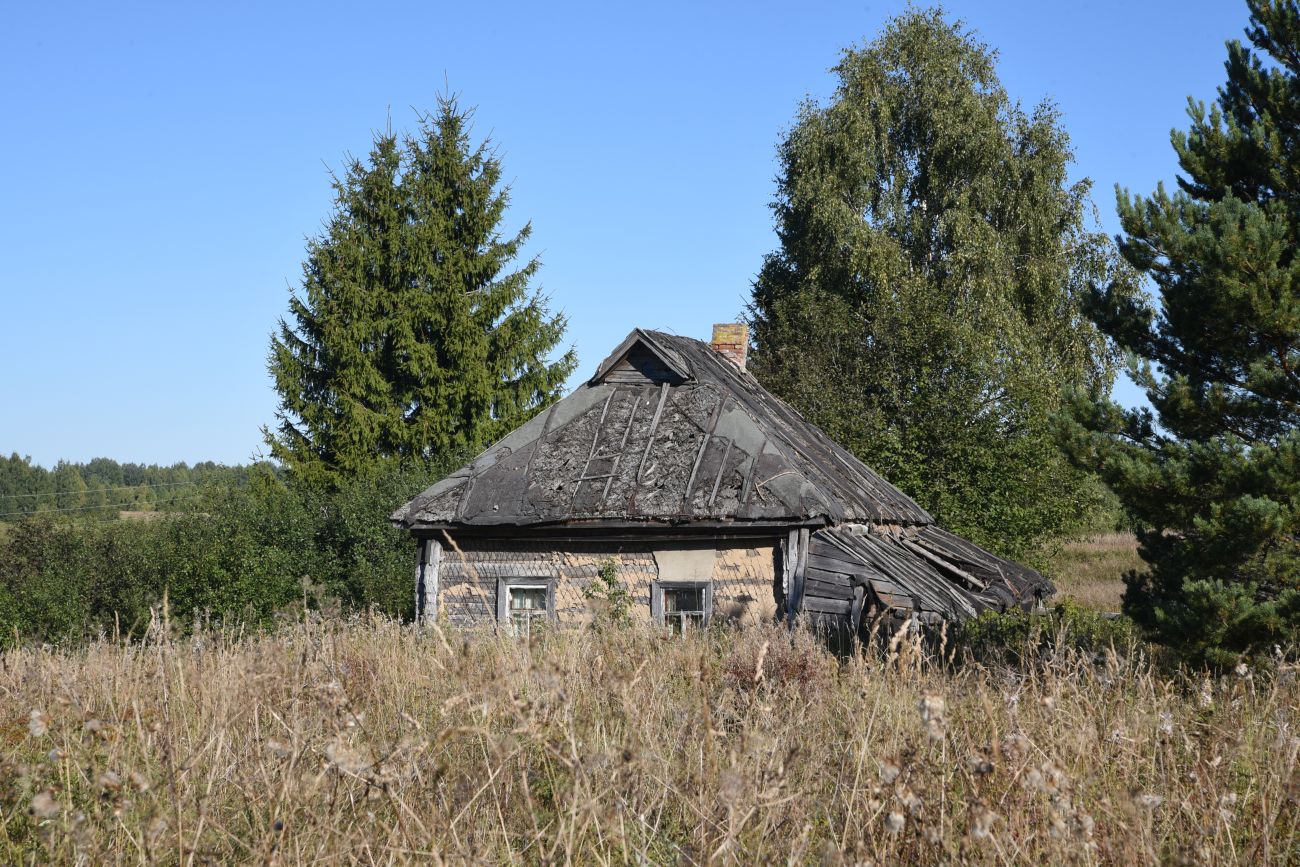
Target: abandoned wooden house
(709, 497)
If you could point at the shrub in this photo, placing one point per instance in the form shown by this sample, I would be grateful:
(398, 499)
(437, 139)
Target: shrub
(1017, 636)
(772, 656)
(609, 597)
(241, 554)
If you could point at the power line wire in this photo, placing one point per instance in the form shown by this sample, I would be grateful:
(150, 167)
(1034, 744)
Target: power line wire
(75, 508)
(109, 488)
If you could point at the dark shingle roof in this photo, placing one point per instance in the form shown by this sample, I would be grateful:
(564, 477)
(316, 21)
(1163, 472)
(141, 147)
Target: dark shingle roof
(666, 431)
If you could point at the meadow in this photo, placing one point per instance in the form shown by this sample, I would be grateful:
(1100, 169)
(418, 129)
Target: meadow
(1089, 570)
(364, 741)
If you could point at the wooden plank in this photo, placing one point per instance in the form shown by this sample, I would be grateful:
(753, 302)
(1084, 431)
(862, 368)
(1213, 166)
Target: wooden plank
(842, 563)
(828, 590)
(802, 565)
(855, 613)
(421, 551)
(722, 471)
(524, 569)
(970, 580)
(613, 470)
(585, 475)
(823, 605)
(788, 566)
(699, 456)
(748, 486)
(654, 424)
(837, 578)
(432, 579)
(865, 573)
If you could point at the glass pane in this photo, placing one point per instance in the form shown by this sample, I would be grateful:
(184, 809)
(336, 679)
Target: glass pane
(679, 623)
(527, 598)
(683, 599)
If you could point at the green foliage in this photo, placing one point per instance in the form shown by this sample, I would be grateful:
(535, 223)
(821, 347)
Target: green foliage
(410, 339)
(1015, 635)
(104, 486)
(242, 554)
(613, 602)
(924, 305)
(1211, 472)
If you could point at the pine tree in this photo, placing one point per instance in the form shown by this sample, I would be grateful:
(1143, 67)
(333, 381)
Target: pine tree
(412, 338)
(924, 306)
(1212, 470)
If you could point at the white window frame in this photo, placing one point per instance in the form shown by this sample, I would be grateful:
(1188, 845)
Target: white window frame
(504, 617)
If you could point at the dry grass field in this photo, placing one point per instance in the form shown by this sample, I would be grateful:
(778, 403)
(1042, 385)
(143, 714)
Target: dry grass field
(366, 743)
(1090, 571)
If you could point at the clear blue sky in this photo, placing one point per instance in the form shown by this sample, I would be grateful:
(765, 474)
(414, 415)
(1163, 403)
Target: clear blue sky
(162, 164)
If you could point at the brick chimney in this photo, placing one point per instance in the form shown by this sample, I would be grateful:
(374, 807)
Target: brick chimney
(731, 340)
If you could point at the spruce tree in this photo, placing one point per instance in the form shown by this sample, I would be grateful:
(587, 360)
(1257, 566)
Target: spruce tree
(415, 334)
(924, 306)
(1212, 470)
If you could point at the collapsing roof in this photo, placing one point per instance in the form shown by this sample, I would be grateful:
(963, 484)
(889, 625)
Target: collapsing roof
(668, 433)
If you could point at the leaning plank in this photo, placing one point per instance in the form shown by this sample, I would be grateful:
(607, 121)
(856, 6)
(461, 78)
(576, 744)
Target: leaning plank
(855, 613)
(970, 580)
(650, 435)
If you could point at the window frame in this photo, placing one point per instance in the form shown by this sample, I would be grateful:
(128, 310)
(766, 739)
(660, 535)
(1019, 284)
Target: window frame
(657, 589)
(533, 582)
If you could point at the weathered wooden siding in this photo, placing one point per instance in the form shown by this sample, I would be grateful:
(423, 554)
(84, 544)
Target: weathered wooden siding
(744, 576)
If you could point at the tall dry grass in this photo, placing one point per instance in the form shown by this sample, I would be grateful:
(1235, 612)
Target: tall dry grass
(1091, 571)
(370, 743)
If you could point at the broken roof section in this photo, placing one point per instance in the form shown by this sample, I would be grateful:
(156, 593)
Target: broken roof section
(666, 432)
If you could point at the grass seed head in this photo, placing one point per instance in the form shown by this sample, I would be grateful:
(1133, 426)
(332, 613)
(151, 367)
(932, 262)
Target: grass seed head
(982, 824)
(1148, 801)
(43, 806)
(910, 801)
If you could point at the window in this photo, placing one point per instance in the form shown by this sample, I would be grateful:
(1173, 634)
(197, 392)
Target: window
(681, 605)
(523, 602)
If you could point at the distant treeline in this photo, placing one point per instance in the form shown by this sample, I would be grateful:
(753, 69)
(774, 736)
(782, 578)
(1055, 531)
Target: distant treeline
(105, 485)
(235, 553)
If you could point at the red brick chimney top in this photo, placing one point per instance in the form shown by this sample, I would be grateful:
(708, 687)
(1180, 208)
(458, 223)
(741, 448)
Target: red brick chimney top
(731, 340)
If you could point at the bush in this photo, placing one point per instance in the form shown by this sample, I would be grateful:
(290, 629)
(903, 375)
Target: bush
(242, 554)
(1017, 636)
(609, 597)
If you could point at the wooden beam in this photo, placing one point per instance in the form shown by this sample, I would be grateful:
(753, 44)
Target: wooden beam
(855, 615)
(722, 471)
(654, 423)
(428, 562)
(595, 441)
(421, 548)
(749, 474)
(709, 428)
(823, 605)
(433, 578)
(799, 540)
(618, 456)
(795, 556)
